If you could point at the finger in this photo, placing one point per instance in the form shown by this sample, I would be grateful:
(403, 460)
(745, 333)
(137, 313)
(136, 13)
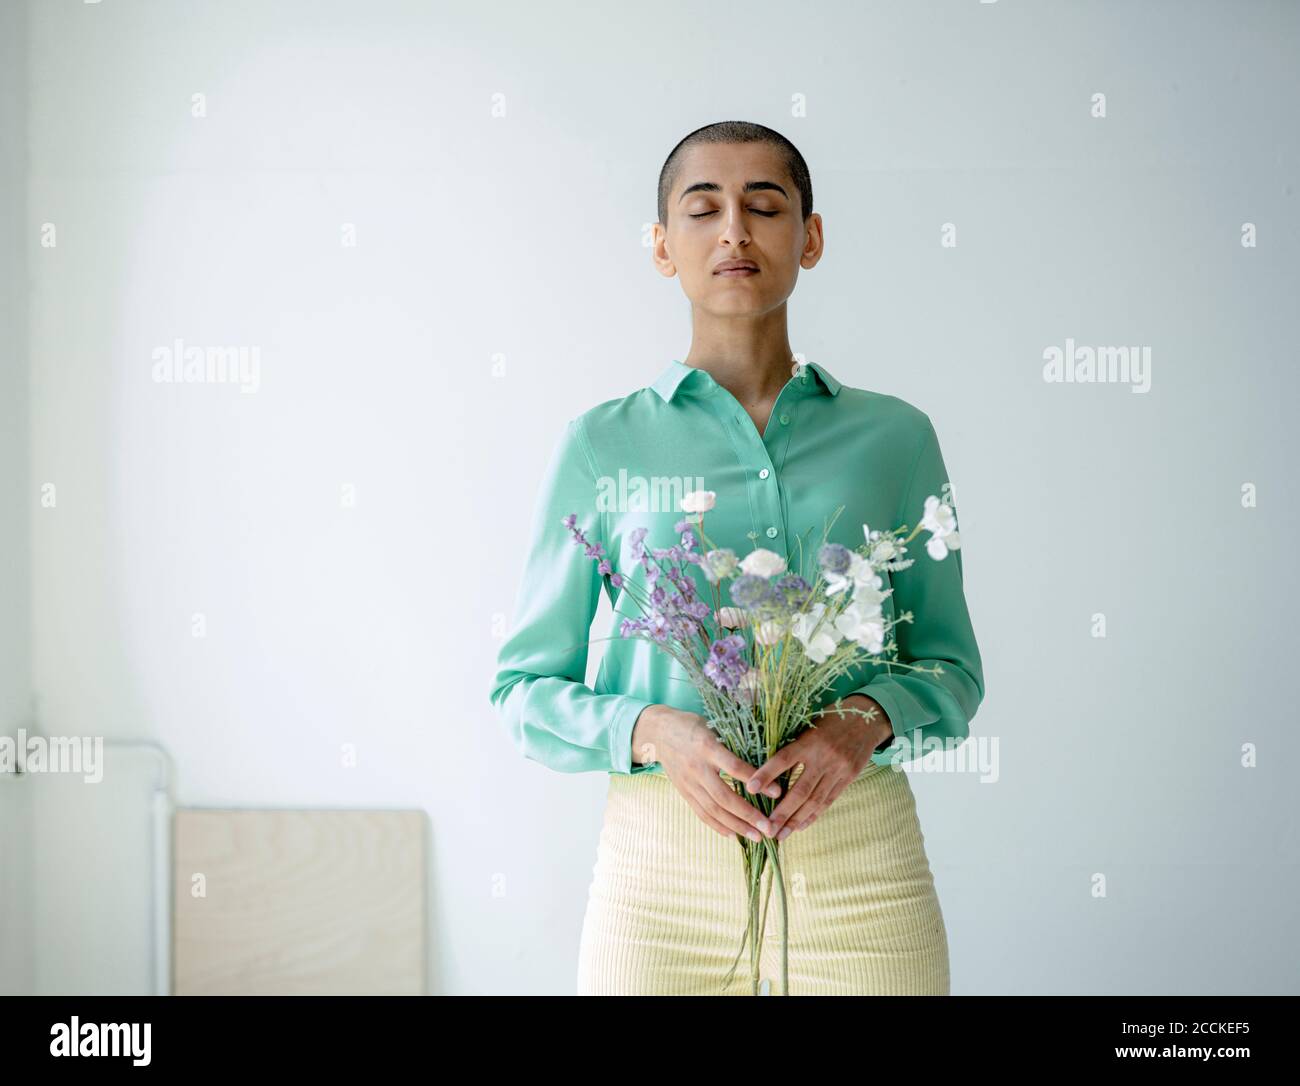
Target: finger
(765, 774)
(716, 827)
(737, 806)
(822, 796)
(795, 798)
(692, 797)
(733, 781)
(720, 818)
(742, 772)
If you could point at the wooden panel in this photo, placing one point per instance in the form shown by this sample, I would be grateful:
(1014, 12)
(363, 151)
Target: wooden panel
(299, 902)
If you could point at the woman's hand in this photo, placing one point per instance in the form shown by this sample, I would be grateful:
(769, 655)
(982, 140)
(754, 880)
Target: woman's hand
(692, 758)
(833, 754)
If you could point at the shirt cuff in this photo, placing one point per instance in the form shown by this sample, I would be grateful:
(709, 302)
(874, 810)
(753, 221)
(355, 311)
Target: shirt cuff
(905, 712)
(620, 735)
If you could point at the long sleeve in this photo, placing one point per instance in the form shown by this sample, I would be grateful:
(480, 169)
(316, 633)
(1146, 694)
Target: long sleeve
(921, 706)
(539, 690)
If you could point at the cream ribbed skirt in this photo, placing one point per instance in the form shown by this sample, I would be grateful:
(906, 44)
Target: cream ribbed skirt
(668, 902)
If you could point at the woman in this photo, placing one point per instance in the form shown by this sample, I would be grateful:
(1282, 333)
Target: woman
(781, 448)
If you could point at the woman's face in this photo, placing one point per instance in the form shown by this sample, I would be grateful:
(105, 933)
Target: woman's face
(713, 219)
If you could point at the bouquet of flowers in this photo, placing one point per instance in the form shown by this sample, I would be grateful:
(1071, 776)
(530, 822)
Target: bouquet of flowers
(761, 663)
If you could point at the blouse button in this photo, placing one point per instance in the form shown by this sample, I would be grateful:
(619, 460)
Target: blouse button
(771, 533)
(763, 474)
(785, 419)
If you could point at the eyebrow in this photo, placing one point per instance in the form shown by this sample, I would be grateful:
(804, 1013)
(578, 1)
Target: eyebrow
(750, 186)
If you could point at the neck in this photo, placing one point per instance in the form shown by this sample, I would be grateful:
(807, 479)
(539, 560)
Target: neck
(751, 359)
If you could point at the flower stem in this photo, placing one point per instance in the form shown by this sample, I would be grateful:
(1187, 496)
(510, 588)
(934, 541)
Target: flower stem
(773, 851)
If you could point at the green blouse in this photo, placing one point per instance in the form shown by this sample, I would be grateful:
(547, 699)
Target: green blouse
(627, 462)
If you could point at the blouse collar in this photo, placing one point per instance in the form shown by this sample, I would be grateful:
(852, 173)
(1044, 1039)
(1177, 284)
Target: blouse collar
(677, 373)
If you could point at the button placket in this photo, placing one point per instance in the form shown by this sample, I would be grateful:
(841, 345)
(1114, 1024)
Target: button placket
(765, 501)
(775, 443)
(726, 409)
(754, 448)
(768, 503)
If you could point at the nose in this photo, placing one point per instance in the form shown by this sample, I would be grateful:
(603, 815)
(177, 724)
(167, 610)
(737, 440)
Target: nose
(734, 231)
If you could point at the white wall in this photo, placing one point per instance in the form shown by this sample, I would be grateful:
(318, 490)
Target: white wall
(16, 961)
(520, 236)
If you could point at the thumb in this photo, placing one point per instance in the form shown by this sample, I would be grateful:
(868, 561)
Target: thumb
(740, 770)
(763, 778)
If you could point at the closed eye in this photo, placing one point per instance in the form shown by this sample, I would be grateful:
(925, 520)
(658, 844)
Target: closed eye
(765, 214)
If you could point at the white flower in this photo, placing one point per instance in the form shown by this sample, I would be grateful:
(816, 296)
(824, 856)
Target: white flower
(868, 597)
(719, 563)
(731, 618)
(838, 582)
(817, 647)
(698, 501)
(860, 574)
(763, 563)
(863, 624)
(769, 633)
(883, 548)
(938, 517)
(748, 686)
(940, 520)
(937, 547)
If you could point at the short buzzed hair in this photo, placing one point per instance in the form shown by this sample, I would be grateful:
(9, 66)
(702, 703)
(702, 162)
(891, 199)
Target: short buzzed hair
(736, 132)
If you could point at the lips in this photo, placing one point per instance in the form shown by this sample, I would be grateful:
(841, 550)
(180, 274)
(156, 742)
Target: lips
(735, 266)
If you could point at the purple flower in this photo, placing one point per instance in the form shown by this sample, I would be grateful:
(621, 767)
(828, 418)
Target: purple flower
(750, 592)
(793, 589)
(635, 544)
(676, 612)
(726, 663)
(834, 557)
(673, 554)
(592, 550)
